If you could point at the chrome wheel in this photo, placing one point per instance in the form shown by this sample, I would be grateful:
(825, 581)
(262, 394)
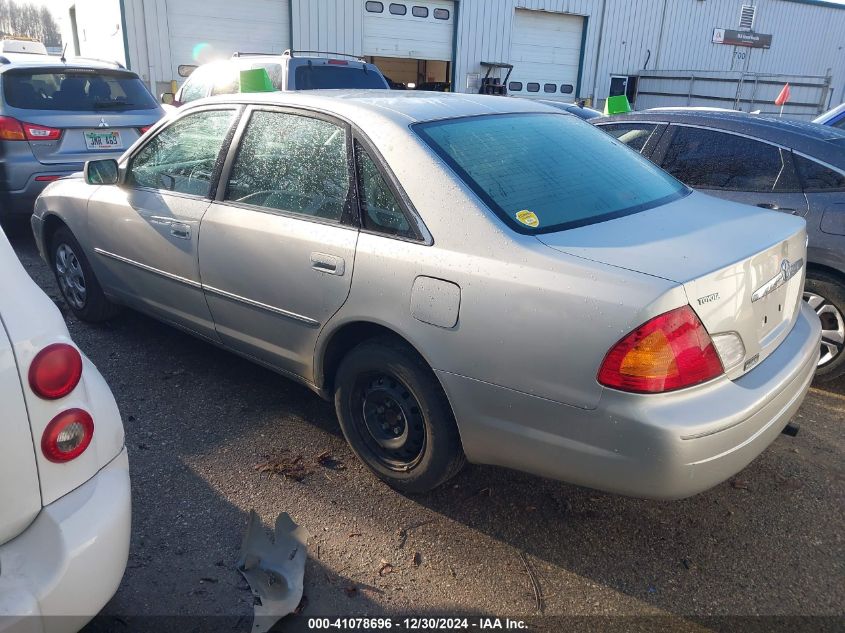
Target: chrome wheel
(71, 277)
(833, 327)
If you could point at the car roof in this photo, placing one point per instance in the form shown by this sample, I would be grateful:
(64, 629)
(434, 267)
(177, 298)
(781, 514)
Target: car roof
(822, 142)
(402, 107)
(9, 61)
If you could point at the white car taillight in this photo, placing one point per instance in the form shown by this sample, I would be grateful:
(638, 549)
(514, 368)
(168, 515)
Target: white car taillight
(67, 435)
(55, 371)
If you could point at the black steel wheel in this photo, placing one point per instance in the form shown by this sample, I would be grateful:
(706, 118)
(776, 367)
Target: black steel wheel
(395, 416)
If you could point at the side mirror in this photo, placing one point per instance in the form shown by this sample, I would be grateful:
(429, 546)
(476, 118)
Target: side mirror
(167, 98)
(101, 172)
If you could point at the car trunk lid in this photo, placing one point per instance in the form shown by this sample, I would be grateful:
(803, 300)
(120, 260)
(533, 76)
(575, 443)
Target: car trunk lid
(20, 496)
(741, 268)
(85, 135)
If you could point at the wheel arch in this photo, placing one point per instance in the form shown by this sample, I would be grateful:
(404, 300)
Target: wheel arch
(334, 345)
(836, 274)
(50, 224)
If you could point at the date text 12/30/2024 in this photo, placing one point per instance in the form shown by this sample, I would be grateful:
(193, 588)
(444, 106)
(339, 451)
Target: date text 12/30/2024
(416, 624)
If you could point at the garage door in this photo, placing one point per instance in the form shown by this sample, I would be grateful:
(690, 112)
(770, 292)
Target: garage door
(202, 30)
(417, 30)
(545, 53)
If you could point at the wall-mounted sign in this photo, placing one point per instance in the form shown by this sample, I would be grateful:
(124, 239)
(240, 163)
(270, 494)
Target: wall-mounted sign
(741, 38)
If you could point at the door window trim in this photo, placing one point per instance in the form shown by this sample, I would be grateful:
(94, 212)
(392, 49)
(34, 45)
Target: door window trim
(662, 147)
(126, 163)
(349, 218)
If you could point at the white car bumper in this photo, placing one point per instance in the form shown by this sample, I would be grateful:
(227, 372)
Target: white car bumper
(63, 569)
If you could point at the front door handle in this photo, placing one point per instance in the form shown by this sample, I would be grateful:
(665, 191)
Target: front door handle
(180, 230)
(329, 264)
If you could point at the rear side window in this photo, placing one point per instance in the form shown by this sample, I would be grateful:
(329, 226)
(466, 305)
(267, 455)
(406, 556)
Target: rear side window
(548, 172)
(707, 159)
(76, 90)
(328, 76)
(816, 177)
(381, 211)
(292, 163)
(634, 135)
(182, 157)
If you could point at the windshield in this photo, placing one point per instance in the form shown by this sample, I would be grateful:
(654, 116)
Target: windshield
(548, 172)
(76, 90)
(326, 76)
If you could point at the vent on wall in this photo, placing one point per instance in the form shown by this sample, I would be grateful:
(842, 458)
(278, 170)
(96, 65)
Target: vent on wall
(746, 17)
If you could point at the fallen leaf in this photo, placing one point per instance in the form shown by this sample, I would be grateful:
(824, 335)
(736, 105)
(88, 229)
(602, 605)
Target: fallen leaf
(294, 469)
(386, 568)
(327, 460)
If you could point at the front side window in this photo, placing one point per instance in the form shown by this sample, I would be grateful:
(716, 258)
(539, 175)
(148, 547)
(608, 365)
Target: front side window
(76, 90)
(548, 172)
(816, 177)
(708, 159)
(381, 212)
(197, 85)
(292, 163)
(182, 157)
(634, 135)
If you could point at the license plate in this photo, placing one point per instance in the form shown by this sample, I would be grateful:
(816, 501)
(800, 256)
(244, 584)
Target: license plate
(97, 140)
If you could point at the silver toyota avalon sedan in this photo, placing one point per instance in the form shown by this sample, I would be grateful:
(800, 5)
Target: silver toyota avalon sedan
(467, 277)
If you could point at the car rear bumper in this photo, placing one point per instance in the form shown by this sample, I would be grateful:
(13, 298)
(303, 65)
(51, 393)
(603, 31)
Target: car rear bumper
(664, 446)
(21, 202)
(69, 562)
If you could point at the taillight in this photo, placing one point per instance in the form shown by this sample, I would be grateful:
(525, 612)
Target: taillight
(672, 351)
(55, 371)
(67, 436)
(41, 132)
(145, 129)
(14, 130)
(338, 62)
(10, 129)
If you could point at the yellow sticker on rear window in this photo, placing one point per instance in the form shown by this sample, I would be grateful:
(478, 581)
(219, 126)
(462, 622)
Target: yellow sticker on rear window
(528, 218)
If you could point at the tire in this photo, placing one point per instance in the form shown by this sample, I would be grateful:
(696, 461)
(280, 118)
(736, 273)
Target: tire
(395, 416)
(77, 282)
(826, 295)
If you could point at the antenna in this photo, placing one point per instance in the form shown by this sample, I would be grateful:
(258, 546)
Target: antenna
(63, 58)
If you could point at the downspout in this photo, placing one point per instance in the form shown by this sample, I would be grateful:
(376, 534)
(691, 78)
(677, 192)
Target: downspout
(598, 54)
(125, 34)
(660, 37)
(456, 18)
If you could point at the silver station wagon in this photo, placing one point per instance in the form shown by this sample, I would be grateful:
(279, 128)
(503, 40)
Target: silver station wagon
(468, 277)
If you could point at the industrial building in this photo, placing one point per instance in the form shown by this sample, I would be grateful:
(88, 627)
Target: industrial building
(723, 53)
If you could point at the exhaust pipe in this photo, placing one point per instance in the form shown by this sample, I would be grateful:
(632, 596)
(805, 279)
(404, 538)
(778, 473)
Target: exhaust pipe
(791, 429)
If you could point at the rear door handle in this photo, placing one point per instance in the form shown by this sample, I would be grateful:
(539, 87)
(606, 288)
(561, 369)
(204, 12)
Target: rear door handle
(329, 264)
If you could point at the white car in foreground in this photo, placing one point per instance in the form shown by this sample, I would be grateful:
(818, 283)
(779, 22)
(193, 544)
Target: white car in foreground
(64, 476)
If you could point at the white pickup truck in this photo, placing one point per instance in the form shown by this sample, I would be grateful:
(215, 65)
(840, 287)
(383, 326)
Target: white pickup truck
(65, 505)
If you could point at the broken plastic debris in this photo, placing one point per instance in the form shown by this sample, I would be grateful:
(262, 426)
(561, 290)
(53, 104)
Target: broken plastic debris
(275, 570)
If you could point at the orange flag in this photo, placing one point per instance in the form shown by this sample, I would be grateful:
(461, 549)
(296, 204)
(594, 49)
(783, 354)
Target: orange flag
(783, 97)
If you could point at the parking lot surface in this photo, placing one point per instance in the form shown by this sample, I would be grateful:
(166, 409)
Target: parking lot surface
(205, 429)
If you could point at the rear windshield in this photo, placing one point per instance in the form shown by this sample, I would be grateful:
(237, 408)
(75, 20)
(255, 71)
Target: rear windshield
(75, 90)
(548, 172)
(325, 76)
